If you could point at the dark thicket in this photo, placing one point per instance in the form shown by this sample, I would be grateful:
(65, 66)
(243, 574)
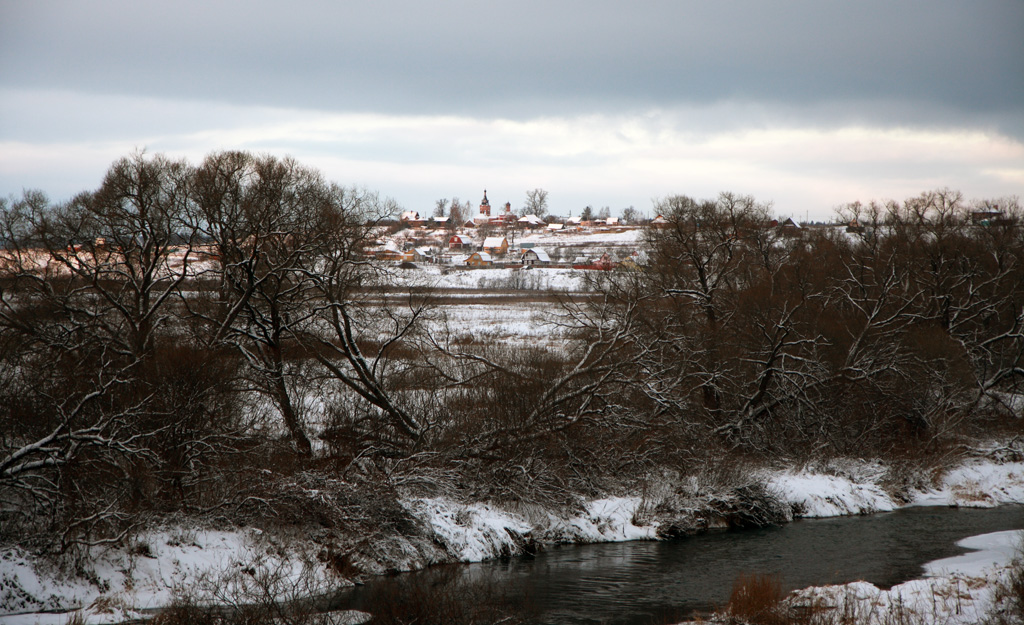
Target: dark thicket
(209, 339)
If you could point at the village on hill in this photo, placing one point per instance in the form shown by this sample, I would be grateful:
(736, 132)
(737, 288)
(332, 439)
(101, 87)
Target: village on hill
(504, 239)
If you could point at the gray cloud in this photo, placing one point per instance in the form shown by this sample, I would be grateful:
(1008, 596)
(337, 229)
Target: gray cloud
(525, 58)
(808, 103)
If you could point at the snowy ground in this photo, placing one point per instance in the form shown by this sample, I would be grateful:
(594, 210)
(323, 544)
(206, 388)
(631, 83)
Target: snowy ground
(543, 237)
(526, 323)
(534, 278)
(146, 574)
(955, 591)
(153, 568)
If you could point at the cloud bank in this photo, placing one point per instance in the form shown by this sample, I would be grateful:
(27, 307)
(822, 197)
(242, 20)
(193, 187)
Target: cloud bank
(809, 104)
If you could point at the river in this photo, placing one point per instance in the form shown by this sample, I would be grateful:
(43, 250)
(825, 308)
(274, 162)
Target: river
(639, 583)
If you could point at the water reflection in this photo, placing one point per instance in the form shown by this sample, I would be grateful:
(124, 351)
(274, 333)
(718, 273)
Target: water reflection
(641, 582)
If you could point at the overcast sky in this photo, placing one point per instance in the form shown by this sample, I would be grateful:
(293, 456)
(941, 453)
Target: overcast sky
(806, 104)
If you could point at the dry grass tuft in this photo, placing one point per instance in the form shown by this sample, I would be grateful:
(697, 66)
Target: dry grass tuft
(757, 599)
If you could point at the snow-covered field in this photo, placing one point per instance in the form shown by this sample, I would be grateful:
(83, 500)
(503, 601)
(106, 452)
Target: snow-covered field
(497, 324)
(533, 278)
(541, 238)
(146, 574)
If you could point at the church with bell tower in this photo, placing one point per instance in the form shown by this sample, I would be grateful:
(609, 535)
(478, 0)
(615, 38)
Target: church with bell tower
(485, 208)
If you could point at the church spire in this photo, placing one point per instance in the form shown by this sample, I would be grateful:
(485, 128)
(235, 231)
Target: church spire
(485, 205)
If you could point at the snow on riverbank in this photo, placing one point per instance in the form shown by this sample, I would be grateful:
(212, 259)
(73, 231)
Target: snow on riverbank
(857, 487)
(853, 488)
(146, 573)
(978, 484)
(988, 553)
(604, 520)
(474, 532)
(956, 591)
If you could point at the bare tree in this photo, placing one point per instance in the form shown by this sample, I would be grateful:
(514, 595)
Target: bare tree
(700, 254)
(536, 203)
(457, 214)
(115, 247)
(269, 220)
(355, 329)
(77, 331)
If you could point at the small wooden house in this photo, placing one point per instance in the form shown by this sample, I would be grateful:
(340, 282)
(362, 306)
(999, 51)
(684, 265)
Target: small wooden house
(458, 242)
(659, 222)
(790, 228)
(531, 221)
(535, 256)
(390, 251)
(497, 246)
(479, 259)
(604, 263)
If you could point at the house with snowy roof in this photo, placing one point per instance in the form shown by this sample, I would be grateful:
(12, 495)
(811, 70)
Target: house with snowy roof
(412, 218)
(790, 228)
(635, 261)
(659, 222)
(435, 221)
(603, 263)
(479, 259)
(390, 251)
(531, 221)
(497, 246)
(459, 242)
(419, 255)
(535, 256)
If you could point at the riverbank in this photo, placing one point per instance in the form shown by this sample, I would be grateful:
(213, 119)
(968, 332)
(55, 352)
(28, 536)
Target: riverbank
(968, 589)
(239, 564)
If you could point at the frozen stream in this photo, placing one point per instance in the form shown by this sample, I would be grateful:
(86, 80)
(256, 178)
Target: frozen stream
(646, 582)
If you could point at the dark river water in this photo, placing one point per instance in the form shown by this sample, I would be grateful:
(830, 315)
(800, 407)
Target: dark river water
(654, 582)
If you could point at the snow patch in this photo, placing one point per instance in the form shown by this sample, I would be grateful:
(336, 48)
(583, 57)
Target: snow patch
(977, 484)
(814, 495)
(476, 532)
(953, 600)
(472, 532)
(989, 552)
(147, 573)
(604, 520)
(26, 587)
(957, 591)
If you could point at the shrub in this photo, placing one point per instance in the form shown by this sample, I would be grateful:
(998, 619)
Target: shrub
(1008, 597)
(757, 599)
